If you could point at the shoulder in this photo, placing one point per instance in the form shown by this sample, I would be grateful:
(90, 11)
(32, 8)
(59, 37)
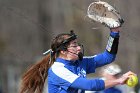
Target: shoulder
(59, 70)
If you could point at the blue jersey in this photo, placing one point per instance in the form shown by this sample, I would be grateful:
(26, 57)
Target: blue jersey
(67, 76)
(110, 90)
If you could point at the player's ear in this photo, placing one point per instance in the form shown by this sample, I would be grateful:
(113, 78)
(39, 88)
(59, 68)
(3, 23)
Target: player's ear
(62, 52)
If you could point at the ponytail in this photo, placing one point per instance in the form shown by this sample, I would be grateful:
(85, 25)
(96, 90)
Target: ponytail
(33, 80)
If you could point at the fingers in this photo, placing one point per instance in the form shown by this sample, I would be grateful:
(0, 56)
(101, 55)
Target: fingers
(129, 73)
(125, 76)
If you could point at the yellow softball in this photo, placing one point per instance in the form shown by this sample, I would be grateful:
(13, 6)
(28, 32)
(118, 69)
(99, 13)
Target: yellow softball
(132, 81)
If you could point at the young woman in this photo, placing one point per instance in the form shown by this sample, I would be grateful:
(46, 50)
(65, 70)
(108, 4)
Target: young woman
(66, 68)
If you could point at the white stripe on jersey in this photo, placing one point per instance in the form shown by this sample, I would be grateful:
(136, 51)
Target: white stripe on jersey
(89, 56)
(64, 73)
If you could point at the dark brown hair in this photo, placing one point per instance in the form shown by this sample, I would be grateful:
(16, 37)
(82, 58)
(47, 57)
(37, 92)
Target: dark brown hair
(34, 78)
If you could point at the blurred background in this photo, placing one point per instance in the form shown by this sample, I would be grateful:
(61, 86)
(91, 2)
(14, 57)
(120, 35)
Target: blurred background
(27, 27)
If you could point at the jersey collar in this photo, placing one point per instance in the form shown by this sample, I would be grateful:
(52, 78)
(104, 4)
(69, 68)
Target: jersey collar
(64, 61)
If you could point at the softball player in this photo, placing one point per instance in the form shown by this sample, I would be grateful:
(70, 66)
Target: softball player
(66, 67)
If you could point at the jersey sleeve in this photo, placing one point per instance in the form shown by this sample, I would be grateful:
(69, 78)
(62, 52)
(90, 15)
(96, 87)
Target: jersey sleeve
(108, 56)
(92, 62)
(88, 84)
(101, 59)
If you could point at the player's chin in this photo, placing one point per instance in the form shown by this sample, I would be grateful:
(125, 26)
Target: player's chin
(75, 58)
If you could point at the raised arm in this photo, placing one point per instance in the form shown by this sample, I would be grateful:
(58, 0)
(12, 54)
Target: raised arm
(110, 52)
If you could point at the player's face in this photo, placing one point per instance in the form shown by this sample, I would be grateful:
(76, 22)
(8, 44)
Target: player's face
(73, 49)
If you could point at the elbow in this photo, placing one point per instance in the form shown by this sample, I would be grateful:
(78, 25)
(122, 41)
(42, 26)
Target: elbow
(97, 85)
(110, 58)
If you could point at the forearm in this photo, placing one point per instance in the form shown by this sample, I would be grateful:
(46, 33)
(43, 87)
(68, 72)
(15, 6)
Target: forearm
(113, 42)
(111, 83)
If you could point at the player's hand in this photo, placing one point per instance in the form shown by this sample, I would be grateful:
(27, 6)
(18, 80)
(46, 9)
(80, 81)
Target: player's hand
(125, 76)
